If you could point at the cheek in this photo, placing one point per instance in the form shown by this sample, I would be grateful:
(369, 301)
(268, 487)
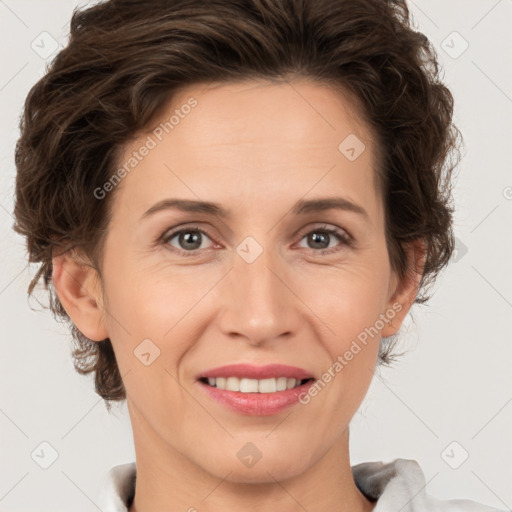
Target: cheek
(351, 310)
(155, 304)
(350, 302)
(149, 299)
(348, 298)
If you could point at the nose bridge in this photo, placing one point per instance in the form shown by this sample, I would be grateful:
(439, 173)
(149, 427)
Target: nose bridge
(258, 304)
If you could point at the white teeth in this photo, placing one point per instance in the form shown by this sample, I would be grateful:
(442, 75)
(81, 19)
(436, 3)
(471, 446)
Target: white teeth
(233, 384)
(249, 385)
(245, 385)
(267, 386)
(281, 383)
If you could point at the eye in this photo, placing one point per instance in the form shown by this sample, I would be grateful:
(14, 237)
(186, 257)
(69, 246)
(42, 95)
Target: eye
(189, 240)
(321, 237)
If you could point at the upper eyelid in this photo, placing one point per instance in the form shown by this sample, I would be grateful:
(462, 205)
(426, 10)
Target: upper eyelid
(171, 233)
(324, 227)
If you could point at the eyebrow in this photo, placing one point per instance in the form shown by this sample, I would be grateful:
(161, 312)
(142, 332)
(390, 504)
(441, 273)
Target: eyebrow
(300, 208)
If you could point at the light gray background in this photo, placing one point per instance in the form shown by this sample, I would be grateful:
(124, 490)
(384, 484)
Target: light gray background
(454, 384)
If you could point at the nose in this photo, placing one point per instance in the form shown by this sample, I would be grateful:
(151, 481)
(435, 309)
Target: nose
(257, 301)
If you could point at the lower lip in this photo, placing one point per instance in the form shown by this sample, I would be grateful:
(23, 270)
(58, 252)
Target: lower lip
(257, 404)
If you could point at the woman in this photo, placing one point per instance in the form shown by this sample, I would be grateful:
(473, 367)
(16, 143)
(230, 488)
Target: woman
(235, 204)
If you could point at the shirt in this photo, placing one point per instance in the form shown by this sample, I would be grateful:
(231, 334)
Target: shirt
(397, 486)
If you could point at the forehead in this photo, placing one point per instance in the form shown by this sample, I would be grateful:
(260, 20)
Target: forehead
(297, 112)
(237, 141)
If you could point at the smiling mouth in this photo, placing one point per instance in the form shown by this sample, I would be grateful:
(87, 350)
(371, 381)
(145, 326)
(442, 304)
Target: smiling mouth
(246, 385)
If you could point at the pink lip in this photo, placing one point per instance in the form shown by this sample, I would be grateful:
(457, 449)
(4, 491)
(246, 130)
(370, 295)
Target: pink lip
(257, 372)
(256, 404)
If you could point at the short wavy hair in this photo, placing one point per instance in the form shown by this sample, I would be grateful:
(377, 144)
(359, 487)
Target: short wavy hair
(126, 58)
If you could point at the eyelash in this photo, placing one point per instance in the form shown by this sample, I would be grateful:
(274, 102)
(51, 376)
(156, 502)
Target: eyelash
(343, 236)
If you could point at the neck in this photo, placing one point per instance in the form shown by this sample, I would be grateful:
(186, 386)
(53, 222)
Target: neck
(167, 480)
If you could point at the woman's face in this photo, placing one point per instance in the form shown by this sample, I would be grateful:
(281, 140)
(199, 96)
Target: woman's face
(277, 280)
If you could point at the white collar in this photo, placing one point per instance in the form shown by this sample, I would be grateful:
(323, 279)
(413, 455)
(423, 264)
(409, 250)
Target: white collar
(398, 486)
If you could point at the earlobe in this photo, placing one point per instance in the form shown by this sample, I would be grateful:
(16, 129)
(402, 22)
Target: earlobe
(77, 286)
(406, 289)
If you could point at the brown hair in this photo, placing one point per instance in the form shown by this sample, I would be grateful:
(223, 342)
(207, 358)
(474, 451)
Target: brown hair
(124, 60)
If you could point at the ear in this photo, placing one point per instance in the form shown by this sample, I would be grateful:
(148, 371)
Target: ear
(403, 292)
(78, 287)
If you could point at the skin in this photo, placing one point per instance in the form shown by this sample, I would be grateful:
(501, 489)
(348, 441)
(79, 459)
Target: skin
(256, 148)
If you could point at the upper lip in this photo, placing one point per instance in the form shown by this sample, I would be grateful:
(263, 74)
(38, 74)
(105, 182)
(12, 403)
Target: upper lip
(252, 371)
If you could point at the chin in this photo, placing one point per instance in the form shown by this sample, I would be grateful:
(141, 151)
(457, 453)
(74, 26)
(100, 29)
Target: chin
(251, 465)
(262, 473)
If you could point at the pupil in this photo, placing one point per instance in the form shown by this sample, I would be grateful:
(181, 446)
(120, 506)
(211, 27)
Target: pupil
(320, 238)
(191, 237)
